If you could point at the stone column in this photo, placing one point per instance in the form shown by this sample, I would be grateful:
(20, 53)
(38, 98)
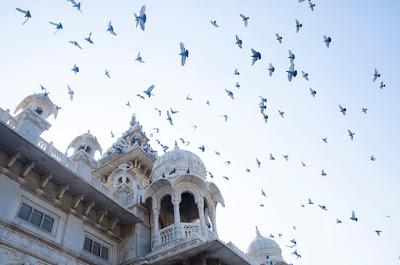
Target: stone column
(177, 218)
(213, 217)
(156, 229)
(200, 207)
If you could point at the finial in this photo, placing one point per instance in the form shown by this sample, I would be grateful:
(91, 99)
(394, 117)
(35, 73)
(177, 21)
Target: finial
(176, 145)
(133, 120)
(258, 232)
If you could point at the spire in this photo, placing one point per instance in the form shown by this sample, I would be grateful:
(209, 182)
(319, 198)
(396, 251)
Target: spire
(258, 232)
(176, 145)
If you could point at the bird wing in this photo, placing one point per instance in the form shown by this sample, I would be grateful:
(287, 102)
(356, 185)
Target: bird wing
(183, 60)
(22, 11)
(109, 25)
(353, 215)
(143, 10)
(242, 16)
(237, 37)
(297, 23)
(182, 46)
(142, 25)
(54, 24)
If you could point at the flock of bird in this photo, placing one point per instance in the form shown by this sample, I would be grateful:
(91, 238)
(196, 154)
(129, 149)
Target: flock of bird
(255, 56)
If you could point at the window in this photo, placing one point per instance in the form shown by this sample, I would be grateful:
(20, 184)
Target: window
(36, 217)
(96, 248)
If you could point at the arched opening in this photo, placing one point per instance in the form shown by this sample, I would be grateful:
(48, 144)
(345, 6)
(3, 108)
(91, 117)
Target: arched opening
(127, 180)
(207, 215)
(39, 110)
(120, 180)
(188, 209)
(166, 212)
(88, 149)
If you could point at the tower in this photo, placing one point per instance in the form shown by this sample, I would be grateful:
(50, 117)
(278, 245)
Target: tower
(35, 109)
(183, 202)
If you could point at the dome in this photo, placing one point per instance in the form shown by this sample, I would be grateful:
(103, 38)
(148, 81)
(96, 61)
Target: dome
(86, 142)
(176, 163)
(263, 248)
(40, 103)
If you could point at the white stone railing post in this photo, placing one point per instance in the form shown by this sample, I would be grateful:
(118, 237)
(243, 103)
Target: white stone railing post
(177, 218)
(156, 233)
(213, 217)
(200, 207)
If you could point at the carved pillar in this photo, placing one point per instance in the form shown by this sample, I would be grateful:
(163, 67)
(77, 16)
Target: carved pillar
(177, 217)
(156, 228)
(200, 207)
(213, 217)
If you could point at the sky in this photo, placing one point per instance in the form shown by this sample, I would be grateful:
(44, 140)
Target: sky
(364, 37)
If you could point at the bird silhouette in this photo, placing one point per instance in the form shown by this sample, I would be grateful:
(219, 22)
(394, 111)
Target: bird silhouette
(112, 134)
(58, 26)
(238, 42)
(281, 113)
(169, 118)
(141, 18)
(255, 56)
(372, 158)
(202, 148)
(75, 69)
(382, 85)
(229, 93)
(378, 232)
(325, 140)
(310, 201)
(110, 29)
(140, 96)
(323, 173)
(128, 104)
(184, 54)
(298, 26)
(89, 38)
(305, 75)
(159, 111)
(173, 111)
(327, 40)
(296, 254)
(75, 4)
(278, 38)
(139, 58)
(351, 134)
(236, 72)
(323, 207)
(338, 221)
(271, 157)
(311, 5)
(286, 157)
(27, 14)
(173, 171)
(149, 90)
(225, 117)
(342, 109)
(214, 23)
(70, 92)
(245, 19)
(313, 92)
(364, 110)
(75, 43)
(353, 216)
(226, 178)
(291, 57)
(291, 72)
(258, 163)
(376, 75)
(271, 69)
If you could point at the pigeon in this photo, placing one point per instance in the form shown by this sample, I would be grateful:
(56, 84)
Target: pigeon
(338, 221)
(214, 23)
(323, 173)
(286, 157)
(247, 170)
(353, 216)
(188, 97)
(313, 92)
(229, 93)
(271, 157)
(140, 96)
(139, 58)
(238, 42)
(311, 5)
(265, 116)
(262, 205)
(255, 56)
(372, 158)
(217, 153)
(310, 201)
(58, 26)
(184, 54)
(75, 69)
(75, 4)
(169, 119)
(159, 111)
(89, 38)
(173, 171)
(378, 232)
(298, 26)
(291, 72)
(342, 109)
(236, 72)
(70, 92)
(112, 134)
(258, 163)
(303, 164)
(194, 127)
(225, 117)
(148, 91)
(228, 162)
(296, 254)
(237, 85)
(305, 75)
(245, 19)
(364, 110)
(351, 134)
(278, 38)
(376, 75)
(107, 73)
(173, 111)
(43, 88)
(110, 29)
(291, 56)
(281, 113)
(325, 140)
(202, 148)
(382, 85)
(271, 69)
(75, 43)
(157, 130)
(323, 207)
(27, 14)
(128, 104)
(141, 19)
(211, 175)
(327, 40)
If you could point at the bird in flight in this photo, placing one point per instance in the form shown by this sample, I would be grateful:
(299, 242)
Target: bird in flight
(298, 26)
(281, 113)
(27, 14)
(229, 93)
(214, 23)
(112, 134)
(323, 207)
(325, 140)
(263, 193)
(305, 75)
(110, 29)
(89, 38)
(382, 85)
(75, 4)
(342, 109)
(327, 40)
(323, 173)
(255, 56)
(378, 232)
(291, 72)
(271, 69)
(286, 157)
(225, 116)
(245, 19)
(75, 43)
(107, 73)
(310, 201)
(159, 111)
(296, 254)
(238, 42)
(338, 221)
(271, 157)
(236, 72)
(353, 216)
(278, 38)
(173, 111)
(140, 96)
(139, 58)
(311, 5)
(351, 134)
(141, 19)
(376, 75)
(313, 92)
(372, 158)
(169, 118)
(291, 56)
(128, 104)
(70, 92)
(184, 54)
(58, 26)
(364, 110)
(202, 148)
(75, 69)
(149, 90)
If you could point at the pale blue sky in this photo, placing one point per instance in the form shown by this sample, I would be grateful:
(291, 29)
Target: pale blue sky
(365, 36)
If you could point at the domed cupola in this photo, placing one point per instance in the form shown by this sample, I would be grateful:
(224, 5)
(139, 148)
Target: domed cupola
(264, 251)
(176, 163)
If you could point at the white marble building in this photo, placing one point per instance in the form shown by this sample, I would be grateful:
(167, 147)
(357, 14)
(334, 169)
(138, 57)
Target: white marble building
(129, 207)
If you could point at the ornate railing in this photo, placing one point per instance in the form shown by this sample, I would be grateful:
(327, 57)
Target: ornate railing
(190, 230)
(167, 235)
